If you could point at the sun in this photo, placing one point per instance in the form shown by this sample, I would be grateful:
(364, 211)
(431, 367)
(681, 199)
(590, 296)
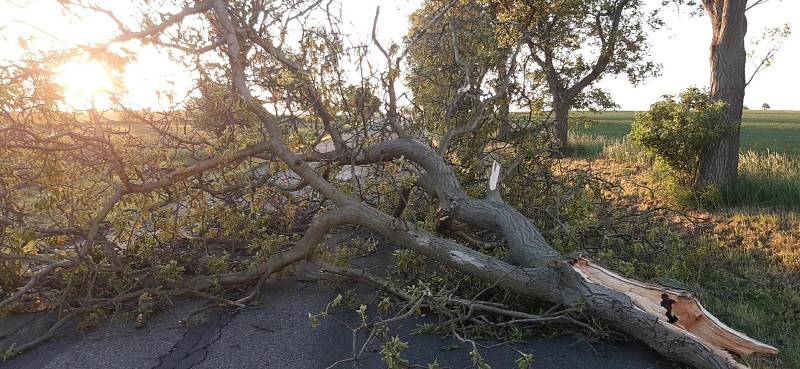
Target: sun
(85, 84)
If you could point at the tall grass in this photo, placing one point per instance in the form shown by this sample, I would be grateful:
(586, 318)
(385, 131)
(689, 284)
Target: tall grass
(586, 146)
(595, 147)
(624, 150)
(766, 179)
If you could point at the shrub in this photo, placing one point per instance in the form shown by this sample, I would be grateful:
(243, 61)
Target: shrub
(678, 131)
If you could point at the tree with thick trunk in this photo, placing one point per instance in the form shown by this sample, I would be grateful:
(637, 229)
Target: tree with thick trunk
(559, 35)
(720, 165)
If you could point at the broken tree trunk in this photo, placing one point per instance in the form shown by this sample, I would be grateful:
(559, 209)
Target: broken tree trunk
(672, 322)
(679, 308)
(542, 273)
(699, 340)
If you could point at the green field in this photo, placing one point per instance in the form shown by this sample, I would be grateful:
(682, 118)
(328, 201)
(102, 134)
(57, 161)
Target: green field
(776, 131)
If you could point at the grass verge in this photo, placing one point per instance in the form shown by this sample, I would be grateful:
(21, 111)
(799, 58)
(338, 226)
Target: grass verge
(744, 264)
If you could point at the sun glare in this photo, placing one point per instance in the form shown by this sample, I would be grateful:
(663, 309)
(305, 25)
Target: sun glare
(85, 83)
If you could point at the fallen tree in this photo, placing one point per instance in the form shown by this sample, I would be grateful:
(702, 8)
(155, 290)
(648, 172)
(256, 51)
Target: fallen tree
(241, 58)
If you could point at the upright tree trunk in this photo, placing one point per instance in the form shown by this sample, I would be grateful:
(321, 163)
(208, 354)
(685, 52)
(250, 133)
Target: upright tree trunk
(719, 165)
(561, 109)
(503, 109)
(504, 116)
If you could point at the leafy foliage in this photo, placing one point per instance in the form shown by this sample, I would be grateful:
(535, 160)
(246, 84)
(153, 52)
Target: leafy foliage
(678, 131)
(391, 351)
(576, 43)
(452, 58)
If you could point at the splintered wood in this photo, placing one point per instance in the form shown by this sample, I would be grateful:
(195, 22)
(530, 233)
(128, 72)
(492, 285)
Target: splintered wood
(676, 308)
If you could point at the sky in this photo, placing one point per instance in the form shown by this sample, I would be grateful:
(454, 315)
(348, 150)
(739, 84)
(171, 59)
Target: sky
(682, 48)
(152, 71)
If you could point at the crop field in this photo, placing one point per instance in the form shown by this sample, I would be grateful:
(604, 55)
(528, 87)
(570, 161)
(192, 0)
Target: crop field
(774, 130)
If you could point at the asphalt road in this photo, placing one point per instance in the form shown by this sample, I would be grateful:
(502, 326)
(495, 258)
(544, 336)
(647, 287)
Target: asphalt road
(278, 334)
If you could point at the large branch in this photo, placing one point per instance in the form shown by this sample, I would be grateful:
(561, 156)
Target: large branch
(315, 233)
(672, 322)
(527, 245)
(698, 338)
(607, 51)
(156, 29)
(271, 123)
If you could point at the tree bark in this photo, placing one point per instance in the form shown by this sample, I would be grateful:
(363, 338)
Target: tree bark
(561, 109)
(503, 109)
(719, 165)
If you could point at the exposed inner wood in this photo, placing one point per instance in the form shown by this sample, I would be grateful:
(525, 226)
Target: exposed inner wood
(691, 316)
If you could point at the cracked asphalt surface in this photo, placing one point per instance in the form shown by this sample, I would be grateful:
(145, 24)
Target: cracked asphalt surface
(279, 335)
(192, 349)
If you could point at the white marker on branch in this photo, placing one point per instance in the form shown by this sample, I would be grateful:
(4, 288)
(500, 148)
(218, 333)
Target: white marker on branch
(495, 177)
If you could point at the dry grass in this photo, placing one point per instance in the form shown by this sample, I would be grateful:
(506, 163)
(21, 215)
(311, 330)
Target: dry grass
(744, 264)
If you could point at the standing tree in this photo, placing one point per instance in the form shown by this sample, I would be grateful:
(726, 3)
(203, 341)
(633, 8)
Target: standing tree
(765, 106)
(720, 164)
(576, 43)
